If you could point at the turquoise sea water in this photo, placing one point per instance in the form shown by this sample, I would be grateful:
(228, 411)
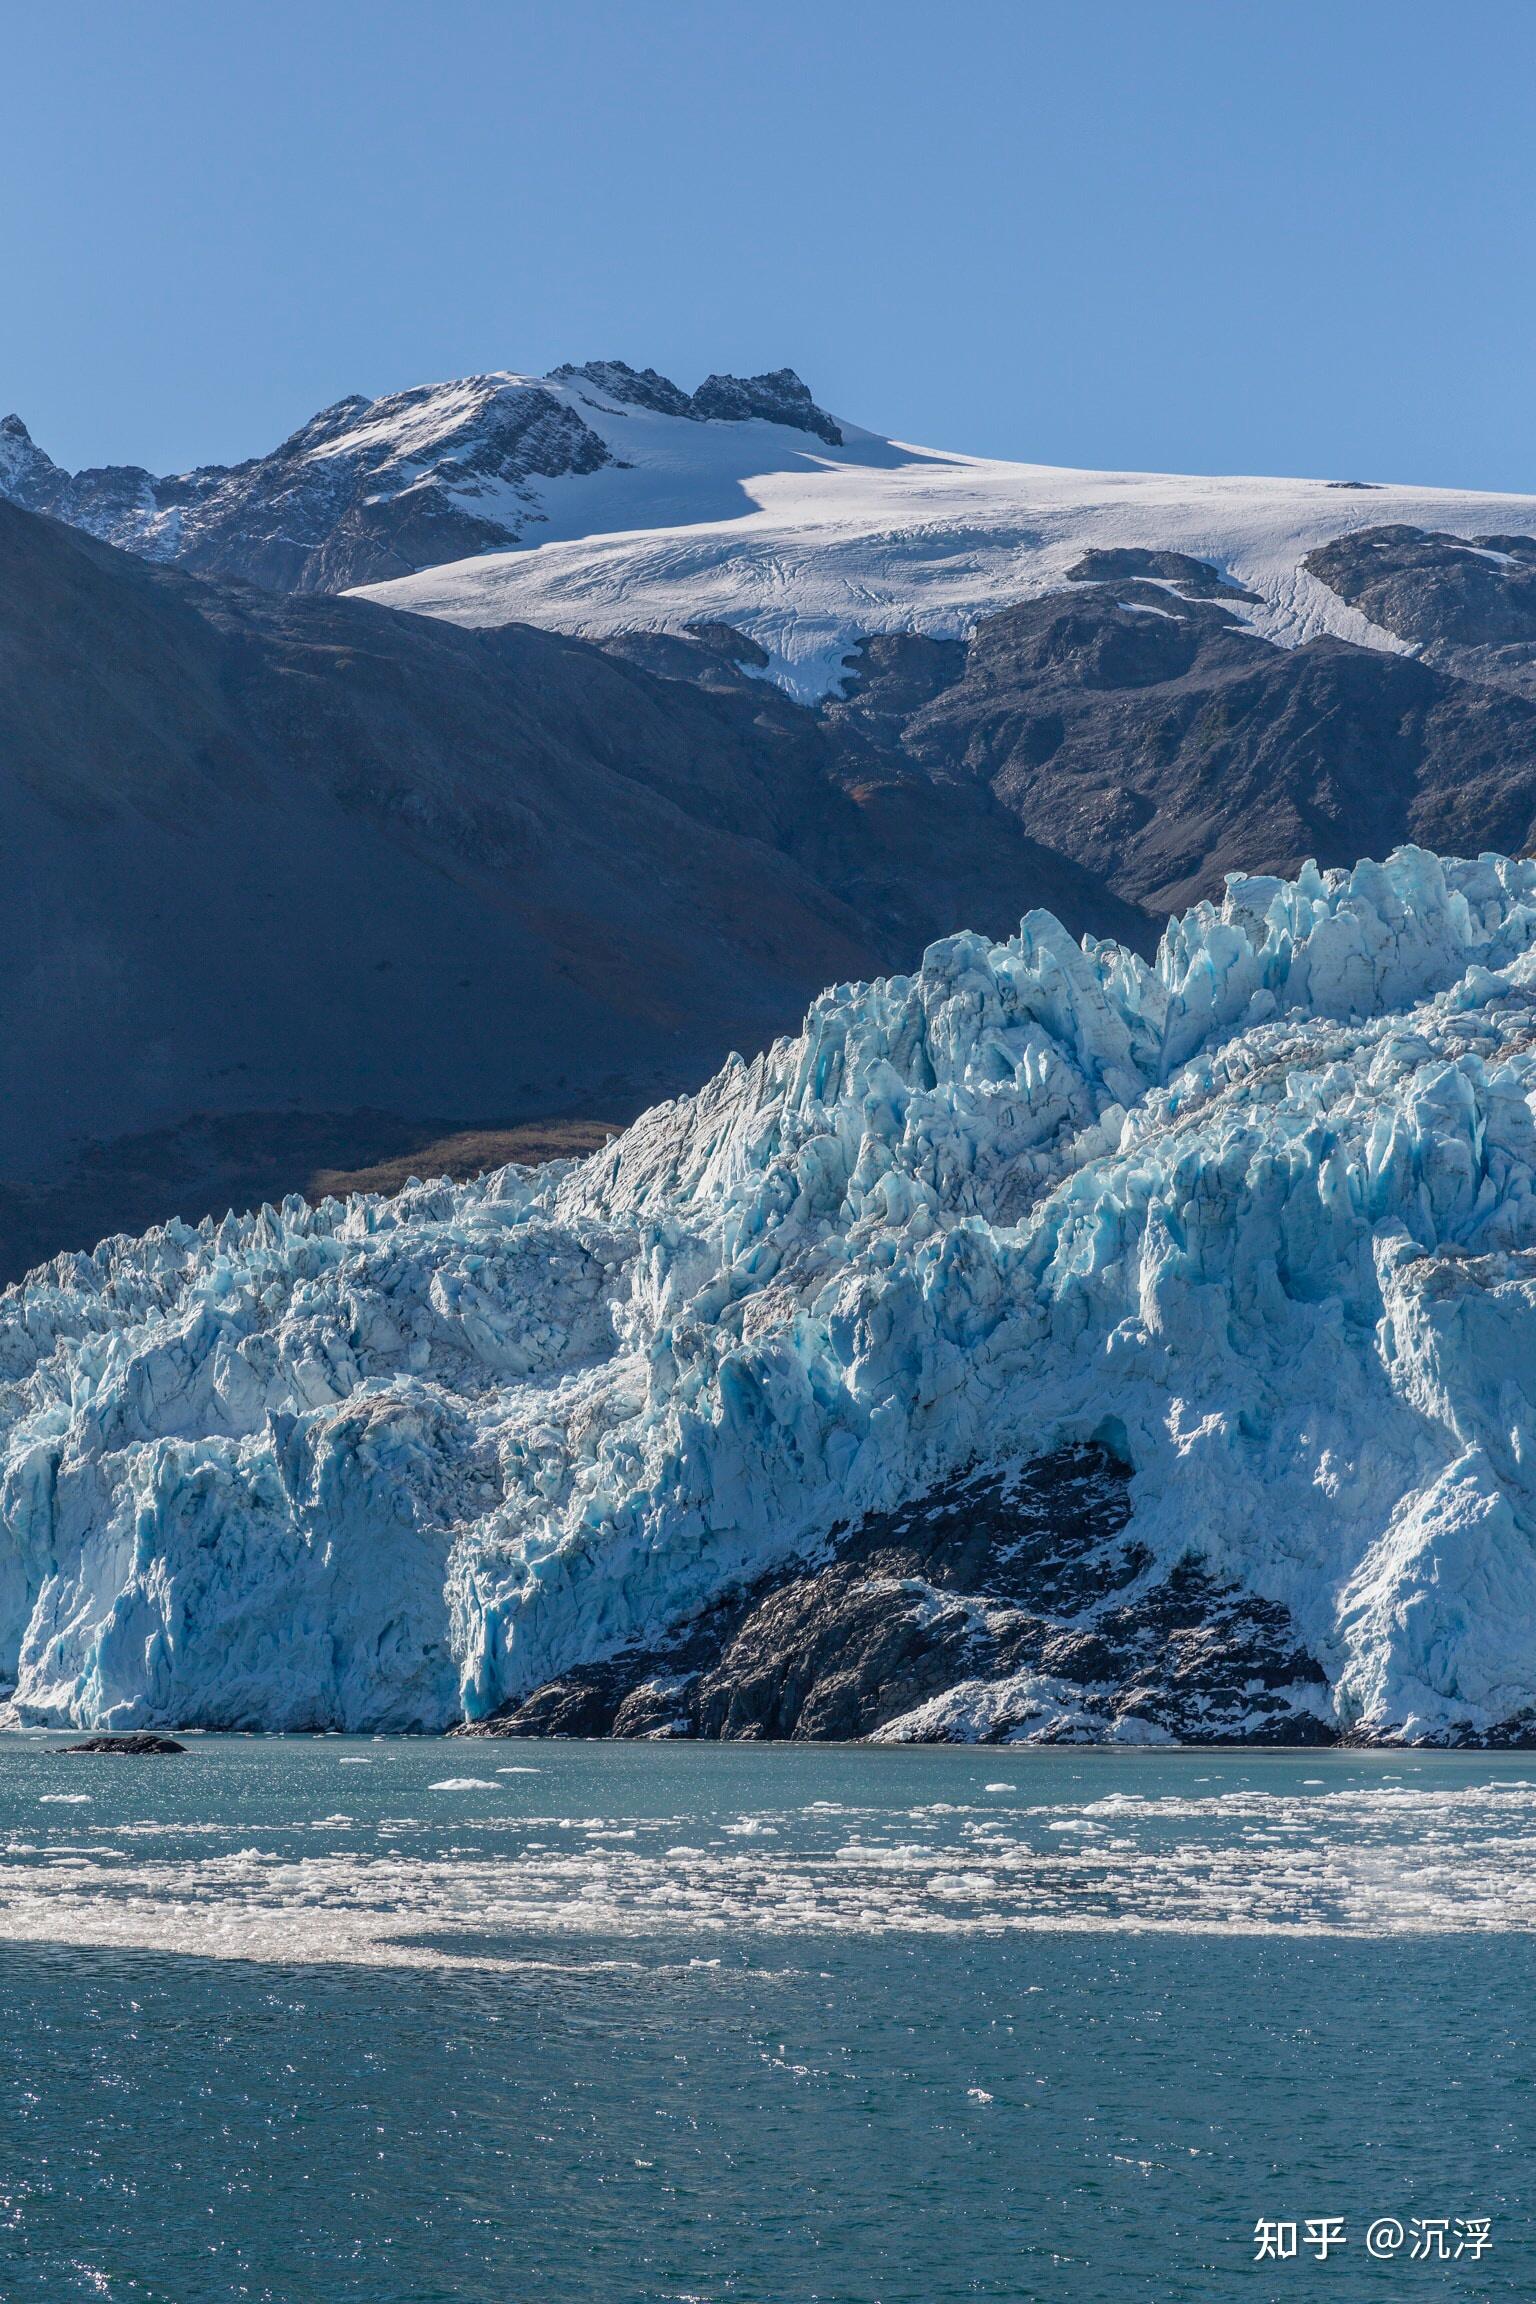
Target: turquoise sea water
(324, 2020)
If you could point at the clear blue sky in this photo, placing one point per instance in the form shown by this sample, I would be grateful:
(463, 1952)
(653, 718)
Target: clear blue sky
(1210, 235)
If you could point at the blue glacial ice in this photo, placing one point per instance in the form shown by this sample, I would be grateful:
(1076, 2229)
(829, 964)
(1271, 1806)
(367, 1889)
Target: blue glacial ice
(1261, 1215)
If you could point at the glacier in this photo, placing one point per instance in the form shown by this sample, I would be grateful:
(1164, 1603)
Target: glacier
(1259, 1217)
(879, 536)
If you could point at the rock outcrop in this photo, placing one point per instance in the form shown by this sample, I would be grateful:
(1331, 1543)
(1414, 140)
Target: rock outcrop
(1002, 1607)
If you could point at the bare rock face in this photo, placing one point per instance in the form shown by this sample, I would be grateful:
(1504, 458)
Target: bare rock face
(1196, 579)
(778, 398)
(1465, 602)
(1003, 1606)
(633, 387)
(1135, 723)
(28, 476)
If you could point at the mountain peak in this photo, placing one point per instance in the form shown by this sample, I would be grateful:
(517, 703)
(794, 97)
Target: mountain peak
(372, 489)
(779, 397)
(28, 475)
(633, 387)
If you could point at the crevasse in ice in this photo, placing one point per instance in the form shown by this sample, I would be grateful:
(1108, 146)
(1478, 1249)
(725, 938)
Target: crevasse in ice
(1261, 1215)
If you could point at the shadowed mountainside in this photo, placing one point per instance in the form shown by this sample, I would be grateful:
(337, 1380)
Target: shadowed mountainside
(274, 861)
(1135, 724)
(301, 888)
(1138, 727)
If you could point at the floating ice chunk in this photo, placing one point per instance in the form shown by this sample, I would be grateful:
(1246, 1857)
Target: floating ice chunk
(464, 1784)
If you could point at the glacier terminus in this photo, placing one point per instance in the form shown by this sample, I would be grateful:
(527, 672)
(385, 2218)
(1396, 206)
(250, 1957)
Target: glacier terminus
(1253, 1226)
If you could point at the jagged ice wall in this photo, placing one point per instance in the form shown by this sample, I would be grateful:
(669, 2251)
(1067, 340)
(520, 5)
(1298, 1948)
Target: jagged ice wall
(1261, 1216)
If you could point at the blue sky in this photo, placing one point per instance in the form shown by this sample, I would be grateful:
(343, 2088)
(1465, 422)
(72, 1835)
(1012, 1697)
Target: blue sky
(1206, 235)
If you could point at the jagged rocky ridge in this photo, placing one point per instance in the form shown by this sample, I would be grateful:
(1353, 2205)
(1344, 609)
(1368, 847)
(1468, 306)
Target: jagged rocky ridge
(372, 489)
(1257, 1223)
(1464, 602)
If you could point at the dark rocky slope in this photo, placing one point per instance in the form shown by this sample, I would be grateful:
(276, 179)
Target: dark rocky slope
(1133, 723)
(1465, 602)
(304, 886)
(342, 881)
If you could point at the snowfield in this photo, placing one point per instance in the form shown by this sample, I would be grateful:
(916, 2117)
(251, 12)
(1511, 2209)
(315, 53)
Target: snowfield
(1261, 1216)
(817, 546)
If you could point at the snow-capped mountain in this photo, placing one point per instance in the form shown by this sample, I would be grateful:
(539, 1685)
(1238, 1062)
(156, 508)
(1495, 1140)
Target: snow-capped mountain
(369, 489)
(1207, 1290)
(1015, 702)
(604, 499)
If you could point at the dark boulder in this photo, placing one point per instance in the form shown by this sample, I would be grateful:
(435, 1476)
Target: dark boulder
(140, 1745)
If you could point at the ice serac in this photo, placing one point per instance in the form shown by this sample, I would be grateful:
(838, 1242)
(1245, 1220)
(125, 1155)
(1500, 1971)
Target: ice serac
(1258, 1220)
